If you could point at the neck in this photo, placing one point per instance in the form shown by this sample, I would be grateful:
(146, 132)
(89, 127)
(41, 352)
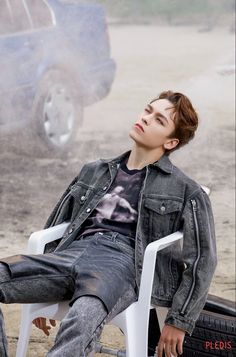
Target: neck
(140, 157)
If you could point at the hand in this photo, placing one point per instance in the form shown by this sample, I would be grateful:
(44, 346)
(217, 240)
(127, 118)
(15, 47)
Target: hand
(41, 323)
(172, 337)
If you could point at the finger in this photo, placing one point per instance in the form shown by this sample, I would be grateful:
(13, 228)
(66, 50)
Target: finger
(168, 349)
(160, 349)
(173, 349)
(46, 330)
(180, 347)
(53, 322)
(43, 326)
(36, 322)
(41, 323)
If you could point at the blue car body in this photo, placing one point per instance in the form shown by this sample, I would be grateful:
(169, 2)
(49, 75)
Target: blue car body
(74, 40)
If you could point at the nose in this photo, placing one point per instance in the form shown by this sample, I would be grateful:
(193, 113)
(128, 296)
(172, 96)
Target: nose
(146, 119)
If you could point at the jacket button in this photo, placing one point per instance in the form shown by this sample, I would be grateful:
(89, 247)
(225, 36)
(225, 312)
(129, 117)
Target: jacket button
(71, 230)
(163, 208)
(82, 198)
(88, 209)
(104, 188)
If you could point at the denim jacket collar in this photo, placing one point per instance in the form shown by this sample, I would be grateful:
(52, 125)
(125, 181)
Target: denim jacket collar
(163, 163)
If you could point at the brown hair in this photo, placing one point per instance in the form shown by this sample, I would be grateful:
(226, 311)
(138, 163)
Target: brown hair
(185, 117)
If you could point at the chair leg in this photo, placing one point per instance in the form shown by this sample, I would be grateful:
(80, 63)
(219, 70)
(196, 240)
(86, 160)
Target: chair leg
(25, 328)
(136, 345)
(134, 325)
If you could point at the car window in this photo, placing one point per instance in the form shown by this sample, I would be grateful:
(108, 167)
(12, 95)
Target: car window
(5, 19)
(19, 16)
(40, 13)
(13, 17)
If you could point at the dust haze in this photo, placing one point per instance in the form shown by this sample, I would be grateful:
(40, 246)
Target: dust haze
(165, 50)
(30, 33)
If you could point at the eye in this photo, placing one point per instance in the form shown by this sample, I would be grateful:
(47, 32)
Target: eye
(159, 120)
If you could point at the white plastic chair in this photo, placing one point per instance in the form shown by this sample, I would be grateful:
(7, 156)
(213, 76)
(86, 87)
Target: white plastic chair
(133, 321)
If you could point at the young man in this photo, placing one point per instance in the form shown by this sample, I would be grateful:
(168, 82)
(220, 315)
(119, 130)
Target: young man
(116, 208)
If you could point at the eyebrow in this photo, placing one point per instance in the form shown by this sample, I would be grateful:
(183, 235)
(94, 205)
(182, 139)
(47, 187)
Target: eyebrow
(159, 114)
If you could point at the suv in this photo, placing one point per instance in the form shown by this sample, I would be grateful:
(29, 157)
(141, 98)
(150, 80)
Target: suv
(54, 60)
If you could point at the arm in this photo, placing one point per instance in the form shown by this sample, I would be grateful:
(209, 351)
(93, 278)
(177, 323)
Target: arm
(62, 211)
(200, 256)
(52, 217)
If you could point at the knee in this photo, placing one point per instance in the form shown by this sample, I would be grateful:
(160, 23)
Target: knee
(4, 278)
(4, 274)
(87, 311)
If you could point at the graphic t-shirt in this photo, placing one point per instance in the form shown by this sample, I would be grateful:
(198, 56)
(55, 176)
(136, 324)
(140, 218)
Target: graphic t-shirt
(118, 209)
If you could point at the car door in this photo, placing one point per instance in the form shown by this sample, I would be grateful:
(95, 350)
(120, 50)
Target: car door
(42, 37)
(22, 53)
(16, 60)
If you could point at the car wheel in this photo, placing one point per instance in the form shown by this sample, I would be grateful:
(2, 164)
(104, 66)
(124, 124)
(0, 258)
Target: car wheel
(57, 113)
(214, 333)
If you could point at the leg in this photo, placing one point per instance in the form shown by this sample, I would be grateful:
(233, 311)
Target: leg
(83, 325)
(28, 290)
(3, 338)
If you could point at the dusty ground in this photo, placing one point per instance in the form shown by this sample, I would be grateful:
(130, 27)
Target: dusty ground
(149, 59)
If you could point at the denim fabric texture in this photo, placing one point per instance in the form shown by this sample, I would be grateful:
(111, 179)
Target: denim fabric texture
(169, 201)
(96, 273)
(83, 325)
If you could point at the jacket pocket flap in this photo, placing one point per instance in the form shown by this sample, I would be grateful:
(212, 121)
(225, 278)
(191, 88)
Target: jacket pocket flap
(163, 206)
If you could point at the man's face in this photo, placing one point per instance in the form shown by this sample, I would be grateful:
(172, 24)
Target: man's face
(154, 126)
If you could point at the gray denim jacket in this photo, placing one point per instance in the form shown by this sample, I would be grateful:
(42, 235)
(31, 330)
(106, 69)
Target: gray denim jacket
(169, 201)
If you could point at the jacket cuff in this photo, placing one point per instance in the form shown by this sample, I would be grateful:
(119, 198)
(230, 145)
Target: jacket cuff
(181, 322)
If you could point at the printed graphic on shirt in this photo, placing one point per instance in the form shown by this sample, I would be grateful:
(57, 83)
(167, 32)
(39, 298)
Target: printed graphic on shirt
(114, 206)
(118, 209)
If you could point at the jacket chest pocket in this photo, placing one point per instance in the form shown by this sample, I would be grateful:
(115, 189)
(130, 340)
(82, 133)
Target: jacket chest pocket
(163, 215)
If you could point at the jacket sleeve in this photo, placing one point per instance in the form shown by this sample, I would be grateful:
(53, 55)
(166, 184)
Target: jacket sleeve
(199, 255)
(53, 215)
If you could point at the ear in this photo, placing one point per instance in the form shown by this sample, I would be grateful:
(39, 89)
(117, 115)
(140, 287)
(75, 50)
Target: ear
(171, 144)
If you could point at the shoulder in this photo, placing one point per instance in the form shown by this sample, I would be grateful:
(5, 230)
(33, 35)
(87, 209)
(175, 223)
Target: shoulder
(93, 165)
(89, 169)
(190, 186)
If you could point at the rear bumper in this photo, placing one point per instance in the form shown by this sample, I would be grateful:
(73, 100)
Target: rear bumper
(97, 82)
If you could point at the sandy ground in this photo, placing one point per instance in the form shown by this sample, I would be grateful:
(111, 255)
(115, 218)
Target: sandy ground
(149, 59)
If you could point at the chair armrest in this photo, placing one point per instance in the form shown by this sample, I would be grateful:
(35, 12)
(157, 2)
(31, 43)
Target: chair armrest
(206, 189)
(39, 239)
(149, 263)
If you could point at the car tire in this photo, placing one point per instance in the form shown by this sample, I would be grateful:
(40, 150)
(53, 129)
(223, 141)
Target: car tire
(214, 333)
(57, 114)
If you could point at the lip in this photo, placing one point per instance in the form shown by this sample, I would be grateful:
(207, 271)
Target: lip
(139, 126)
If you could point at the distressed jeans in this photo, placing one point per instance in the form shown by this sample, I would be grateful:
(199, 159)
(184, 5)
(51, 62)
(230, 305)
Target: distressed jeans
(55, 277)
